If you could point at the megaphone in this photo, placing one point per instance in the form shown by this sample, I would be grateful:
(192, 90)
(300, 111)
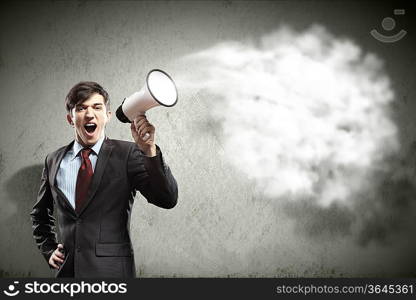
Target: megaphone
(159, 89)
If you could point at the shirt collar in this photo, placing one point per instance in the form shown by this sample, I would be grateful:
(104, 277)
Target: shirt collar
(95, 149)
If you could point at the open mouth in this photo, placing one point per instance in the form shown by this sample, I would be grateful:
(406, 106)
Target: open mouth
(90, 127)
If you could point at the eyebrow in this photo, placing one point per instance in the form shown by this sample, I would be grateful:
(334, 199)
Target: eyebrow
(80, 105)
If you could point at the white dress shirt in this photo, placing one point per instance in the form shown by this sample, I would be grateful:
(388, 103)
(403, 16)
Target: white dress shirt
(69, 167)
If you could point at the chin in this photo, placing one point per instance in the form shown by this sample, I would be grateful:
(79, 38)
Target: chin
(89, 141)
(93, 140)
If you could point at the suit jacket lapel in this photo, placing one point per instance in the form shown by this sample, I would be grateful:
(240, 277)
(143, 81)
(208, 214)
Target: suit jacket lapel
(56, 162)
(103, 157)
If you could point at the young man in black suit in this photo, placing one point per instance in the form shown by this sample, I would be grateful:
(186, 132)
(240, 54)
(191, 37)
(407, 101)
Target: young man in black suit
(92, 182)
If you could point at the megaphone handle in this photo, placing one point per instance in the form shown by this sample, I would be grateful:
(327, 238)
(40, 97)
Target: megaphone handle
(147, 135)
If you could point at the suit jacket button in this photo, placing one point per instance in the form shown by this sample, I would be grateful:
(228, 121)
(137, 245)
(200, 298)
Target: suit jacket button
(78, 249)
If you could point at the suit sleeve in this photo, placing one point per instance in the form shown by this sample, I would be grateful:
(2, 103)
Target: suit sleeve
(152, 177)
(42, 217)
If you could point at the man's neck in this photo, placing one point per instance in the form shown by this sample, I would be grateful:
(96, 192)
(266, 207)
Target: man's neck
(96, 147)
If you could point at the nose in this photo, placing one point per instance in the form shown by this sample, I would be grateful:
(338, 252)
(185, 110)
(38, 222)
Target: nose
(89, 112)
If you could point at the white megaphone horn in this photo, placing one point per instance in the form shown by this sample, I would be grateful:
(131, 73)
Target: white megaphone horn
(159, 89)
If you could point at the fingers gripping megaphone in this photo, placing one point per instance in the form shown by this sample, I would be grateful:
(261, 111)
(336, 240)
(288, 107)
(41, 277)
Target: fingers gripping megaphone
(159, 89)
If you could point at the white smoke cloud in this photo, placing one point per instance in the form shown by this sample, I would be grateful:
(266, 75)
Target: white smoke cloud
(304, 114)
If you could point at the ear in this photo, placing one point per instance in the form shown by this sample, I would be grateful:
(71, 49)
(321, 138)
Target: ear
(69, 119)
(109, 115)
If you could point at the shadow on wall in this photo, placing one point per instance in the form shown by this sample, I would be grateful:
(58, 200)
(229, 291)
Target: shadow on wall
(22, 189)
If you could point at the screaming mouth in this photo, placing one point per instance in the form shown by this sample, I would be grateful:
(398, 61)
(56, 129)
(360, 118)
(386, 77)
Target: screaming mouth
(90, 128)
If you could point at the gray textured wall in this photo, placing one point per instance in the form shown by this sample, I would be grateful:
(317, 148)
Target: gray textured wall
(221, 226)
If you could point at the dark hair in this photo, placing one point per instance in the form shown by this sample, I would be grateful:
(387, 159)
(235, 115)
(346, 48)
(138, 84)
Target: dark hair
(82, 91)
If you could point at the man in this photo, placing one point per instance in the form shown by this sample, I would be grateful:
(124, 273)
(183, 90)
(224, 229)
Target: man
(92, 182)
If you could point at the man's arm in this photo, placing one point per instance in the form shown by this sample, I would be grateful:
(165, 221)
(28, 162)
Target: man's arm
(153, 178)
(42, 218)
(148, 172)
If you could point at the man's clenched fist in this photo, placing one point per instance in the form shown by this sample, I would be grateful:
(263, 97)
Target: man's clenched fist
(144, 135)
(57, 257)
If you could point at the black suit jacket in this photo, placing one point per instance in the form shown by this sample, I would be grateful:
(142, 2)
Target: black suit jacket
(97, 240)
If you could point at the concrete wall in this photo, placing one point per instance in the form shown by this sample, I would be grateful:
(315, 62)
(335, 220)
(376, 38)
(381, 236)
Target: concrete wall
(222, 225)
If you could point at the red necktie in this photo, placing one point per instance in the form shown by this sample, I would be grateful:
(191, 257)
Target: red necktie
(83, 180)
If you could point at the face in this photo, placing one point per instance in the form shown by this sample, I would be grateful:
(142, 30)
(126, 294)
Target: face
(89, 120)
